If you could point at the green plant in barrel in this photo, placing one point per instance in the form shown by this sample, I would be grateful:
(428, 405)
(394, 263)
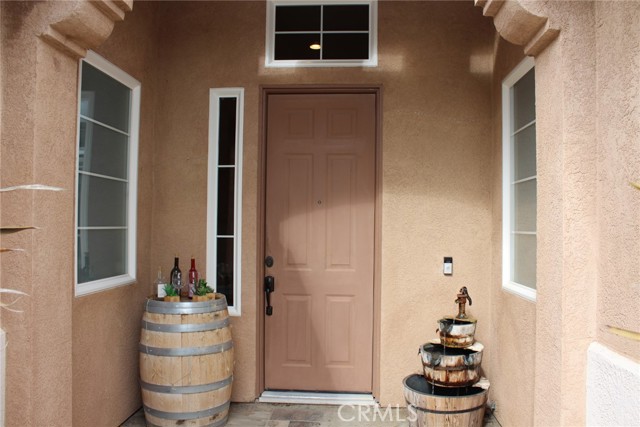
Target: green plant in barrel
(172, 293)
(202, 288)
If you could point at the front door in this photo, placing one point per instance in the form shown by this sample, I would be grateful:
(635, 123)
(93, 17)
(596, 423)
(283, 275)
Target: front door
(320, 204)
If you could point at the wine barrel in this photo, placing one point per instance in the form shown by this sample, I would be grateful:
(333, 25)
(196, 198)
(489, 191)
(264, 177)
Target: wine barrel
(430, 405)
(186, 363)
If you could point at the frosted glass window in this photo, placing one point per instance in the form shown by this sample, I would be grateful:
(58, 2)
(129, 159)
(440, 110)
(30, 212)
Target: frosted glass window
(113, 106)
(524, 204)
(524, 100)
(524, 271)
(519, 195)
(524, 153)
(108, 246)
(103, 202)
(224, 193)
(108, 110)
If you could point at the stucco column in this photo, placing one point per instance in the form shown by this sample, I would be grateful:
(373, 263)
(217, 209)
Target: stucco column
(567, 214)
(561, 37)
(41, 44)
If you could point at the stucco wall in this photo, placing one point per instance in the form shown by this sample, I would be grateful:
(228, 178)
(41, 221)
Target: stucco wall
(613, 386)
(37, 104)
(511, 359)
(435, 65)
(439, 193)
(618, 106)
(614, 376)
(106, 325)
(587, 105)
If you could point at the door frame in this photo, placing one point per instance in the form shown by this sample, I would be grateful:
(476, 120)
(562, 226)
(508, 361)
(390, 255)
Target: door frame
(265, 91)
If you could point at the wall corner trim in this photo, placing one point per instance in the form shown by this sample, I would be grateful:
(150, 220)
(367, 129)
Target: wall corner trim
(519, 26)
(541, 40)
(63, 43)
(85, 26)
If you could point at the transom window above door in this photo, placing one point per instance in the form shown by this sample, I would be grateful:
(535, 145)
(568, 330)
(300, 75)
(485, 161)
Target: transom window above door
(321, 34)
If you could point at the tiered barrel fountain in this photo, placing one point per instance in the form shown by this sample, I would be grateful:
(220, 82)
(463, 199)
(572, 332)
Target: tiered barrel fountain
(451, 391)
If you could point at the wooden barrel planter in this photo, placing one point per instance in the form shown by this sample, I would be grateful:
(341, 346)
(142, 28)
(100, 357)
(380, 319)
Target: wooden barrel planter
(186, 363)
(433, 406)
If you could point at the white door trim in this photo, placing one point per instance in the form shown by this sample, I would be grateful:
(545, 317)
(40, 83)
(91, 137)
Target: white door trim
(317, 398)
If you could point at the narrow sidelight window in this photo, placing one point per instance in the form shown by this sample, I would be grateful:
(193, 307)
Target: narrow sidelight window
(224, 194)
(519, 195)
(106, 185)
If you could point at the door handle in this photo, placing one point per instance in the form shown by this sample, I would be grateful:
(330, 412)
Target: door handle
(269, 287)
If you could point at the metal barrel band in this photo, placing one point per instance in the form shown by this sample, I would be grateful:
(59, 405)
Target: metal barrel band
(186, 415)
(186, 351)
(459, 411)
(182, 310)
(218, 423)
(161, 307)
(187, 389)
(191, 327)
(449, 368)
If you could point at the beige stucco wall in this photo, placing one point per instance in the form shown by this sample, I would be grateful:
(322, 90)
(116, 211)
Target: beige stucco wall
(566, 218)
(106, 325)
(587, 105)
(435, 64)
(618, 157)
(37, 134)
(511, 358)
(440, 194)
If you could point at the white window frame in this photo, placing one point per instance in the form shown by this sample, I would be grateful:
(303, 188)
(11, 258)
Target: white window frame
(270, 62)
(212, 192)
(129, 277)
(507, 172)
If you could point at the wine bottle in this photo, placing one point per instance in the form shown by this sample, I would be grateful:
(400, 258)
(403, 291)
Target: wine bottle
(193, 278)
(176, 275)
(158, 285)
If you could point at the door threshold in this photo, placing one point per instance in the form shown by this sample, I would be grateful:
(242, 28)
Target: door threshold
(317, 398)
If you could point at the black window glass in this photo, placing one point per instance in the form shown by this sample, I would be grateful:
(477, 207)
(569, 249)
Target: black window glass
(296, 46)
(226, 197)
(227, 132)
(297, 18)
(224, 275)
(346, 18)
(345, 46)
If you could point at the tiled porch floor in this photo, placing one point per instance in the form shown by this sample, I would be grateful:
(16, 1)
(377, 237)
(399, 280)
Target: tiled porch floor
(289, 415)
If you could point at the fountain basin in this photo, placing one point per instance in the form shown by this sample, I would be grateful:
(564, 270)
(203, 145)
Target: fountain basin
(455, 332)
(451, 367)
(431, 405)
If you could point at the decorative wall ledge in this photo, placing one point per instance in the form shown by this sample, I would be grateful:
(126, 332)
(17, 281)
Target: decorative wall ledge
(85, 25)
(519, 26)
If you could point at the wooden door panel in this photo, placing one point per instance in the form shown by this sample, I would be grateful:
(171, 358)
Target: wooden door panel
(319, 231)
(297, 211)
(297, 310)
(341, 124)
(341, 188)
(339, 337)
